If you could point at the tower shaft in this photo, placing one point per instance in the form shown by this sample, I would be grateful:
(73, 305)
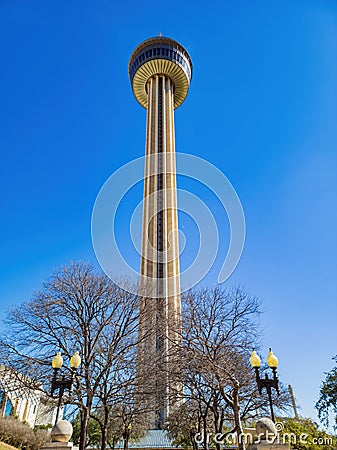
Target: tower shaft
(160, 249)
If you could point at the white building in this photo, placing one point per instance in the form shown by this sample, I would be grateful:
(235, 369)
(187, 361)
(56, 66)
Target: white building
(28, 405)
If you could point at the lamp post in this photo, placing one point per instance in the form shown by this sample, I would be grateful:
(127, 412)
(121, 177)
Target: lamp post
(266, 382)
(62, 383)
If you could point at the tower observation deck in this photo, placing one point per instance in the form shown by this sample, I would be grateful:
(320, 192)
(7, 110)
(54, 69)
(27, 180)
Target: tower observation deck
(160, 71)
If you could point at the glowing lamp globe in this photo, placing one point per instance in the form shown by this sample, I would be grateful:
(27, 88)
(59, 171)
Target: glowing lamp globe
(57, 361)
(75, 361)
(254, 359)
(272, 360)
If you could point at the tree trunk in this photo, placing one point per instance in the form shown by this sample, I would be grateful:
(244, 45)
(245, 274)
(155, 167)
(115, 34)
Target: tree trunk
(85, 414)
(104, 429)
(237, 418)
(192, 439)
(104, 438)
(126, 443)
(217, 423)
(206, 440)
(218, 429)
(112, 444)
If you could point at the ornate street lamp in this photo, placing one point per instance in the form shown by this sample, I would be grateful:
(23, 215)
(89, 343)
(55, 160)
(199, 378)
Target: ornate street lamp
(266, 382)
(62, 383)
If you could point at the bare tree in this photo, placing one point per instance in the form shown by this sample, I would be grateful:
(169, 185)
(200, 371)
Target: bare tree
(185, 423)
(121, 414)
(77, 309)
(219, 330)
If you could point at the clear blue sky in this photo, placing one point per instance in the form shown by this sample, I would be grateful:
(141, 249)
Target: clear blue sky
(262, 107)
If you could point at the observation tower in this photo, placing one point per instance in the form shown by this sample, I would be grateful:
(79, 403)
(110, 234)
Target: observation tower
(160, 71)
